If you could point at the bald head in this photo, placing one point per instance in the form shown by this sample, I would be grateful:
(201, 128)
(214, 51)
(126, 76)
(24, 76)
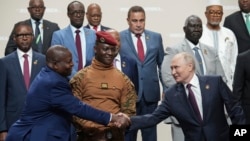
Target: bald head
(59, 59)
(94, 14)
(55, 53)
(115, 34)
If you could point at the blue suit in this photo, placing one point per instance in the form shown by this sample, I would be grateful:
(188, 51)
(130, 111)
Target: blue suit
(214, 127)
(12, 87)
(148, 88)
(65, 38)
(129, 67)
(48, 110)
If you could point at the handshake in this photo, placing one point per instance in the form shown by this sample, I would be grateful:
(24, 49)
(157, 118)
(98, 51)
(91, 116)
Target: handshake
(121, 120)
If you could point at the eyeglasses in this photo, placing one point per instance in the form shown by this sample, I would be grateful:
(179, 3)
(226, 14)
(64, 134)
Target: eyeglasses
(37, 7)
(21, 36)
(77, 13)
(213, 13)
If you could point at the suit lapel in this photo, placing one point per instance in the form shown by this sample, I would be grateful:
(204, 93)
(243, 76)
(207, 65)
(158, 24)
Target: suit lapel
(204, 95)
(148, 43)
(71, 41)
(45, 33)
(242, 24)
(34, 66)
(131, 44)
(16, 66)
(182, 95)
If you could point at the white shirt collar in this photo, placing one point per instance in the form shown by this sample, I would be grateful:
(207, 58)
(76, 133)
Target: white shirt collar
(21, 53)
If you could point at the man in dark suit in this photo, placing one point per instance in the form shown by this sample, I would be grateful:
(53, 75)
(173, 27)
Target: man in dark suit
(237, 23)
(50, 104)
(36, 9)
(197, 102)
(211, 64)
(129, 67)
(13, 85)
(241, 83)
(67, 37)
(94, 16)
(146, 48)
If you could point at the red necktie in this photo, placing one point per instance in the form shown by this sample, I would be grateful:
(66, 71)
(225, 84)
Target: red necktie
(193, 102)
(95, 28)
(26, 73)
(79, 49)
(140, 49)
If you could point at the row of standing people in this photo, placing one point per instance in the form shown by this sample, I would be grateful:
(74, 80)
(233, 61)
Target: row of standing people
(153, 56)
(76, 11)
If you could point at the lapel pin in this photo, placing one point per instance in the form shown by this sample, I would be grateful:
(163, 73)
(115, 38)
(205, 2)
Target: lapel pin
(35, 62)
(207, 87)
(205, 51)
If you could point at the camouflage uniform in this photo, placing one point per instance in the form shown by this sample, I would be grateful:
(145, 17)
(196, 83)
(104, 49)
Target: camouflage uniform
(106, 88)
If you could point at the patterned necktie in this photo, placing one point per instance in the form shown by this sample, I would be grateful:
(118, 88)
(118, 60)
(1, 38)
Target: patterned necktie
(248, 22)
(26, 74)
(198, 57)
(38, 37)
(193, 102)
(79, 49)
(140, 49)
(95, 28)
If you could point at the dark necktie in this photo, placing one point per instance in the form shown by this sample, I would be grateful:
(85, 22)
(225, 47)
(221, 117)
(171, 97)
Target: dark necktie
(79, 49)
(26, 73)
(95, 28)
(193, 102)
(198, 58)
(38, 37)
(140, 49)
(248, 22)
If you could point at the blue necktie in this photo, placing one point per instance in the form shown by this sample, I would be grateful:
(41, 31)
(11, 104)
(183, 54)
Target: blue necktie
(38, 37)
(198, 57)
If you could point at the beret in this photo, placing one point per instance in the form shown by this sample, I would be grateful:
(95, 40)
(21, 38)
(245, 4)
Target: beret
(106, 38)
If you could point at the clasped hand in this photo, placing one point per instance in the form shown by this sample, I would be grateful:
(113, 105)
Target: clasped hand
(121, 120)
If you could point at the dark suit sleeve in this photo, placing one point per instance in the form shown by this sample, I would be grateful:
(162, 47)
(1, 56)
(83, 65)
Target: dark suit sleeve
(11, 45)
(233, 108)
(239, 78)
(63, 99)
(3, 126)
(160, 57)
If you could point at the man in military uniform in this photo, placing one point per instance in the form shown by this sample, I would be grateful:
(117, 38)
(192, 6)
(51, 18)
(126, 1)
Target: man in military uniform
(104, 87)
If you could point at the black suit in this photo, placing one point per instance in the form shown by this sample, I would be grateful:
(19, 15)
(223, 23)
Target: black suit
(241, 85)
(214, 127)
(236, 23)
(48, 29)
(103, 28)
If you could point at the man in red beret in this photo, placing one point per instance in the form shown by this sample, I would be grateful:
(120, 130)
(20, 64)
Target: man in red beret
(104, 87)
